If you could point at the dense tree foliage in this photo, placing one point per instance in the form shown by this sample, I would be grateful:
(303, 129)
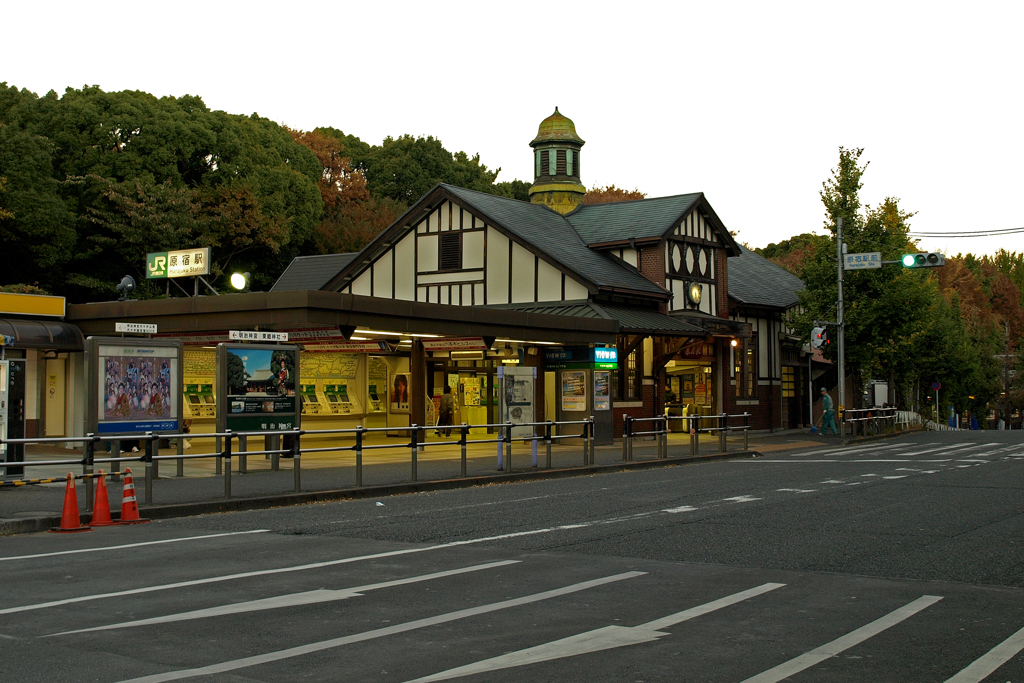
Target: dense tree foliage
(92, 181)
(910, 326)
(605, 195)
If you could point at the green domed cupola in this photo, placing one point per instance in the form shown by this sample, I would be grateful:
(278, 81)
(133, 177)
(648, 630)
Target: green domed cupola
(556, 165)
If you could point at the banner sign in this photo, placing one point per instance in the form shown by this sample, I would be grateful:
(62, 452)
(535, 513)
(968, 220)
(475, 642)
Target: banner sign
(243, 335)
(135, 328)
(870, 259)
(455, 344)
(581, 357)
(180, 263)
(347, 347)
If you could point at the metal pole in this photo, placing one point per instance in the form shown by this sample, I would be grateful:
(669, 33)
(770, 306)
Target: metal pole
(88, 458)
(586, 444)
(842, 327)
(148, 457)
(274, 445)
(219, 465)
(226, 453)
(180, 448)
(625, 441)
(722, 445)
(810, 389)
(463, 434)
(413, 446)
(547, 442)
(746, 431)
(297, 461)
(243, 446)
(359, 455)
(508, 447)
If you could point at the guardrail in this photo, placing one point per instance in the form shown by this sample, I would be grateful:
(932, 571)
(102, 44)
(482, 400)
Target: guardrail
(869, 420)
(690, 423)
(288, 443)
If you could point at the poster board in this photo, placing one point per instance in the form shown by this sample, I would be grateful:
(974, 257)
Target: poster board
(134, 385)
(574, 391)
(517, 399)
(602, 390)
(400, 391)
(256, 387)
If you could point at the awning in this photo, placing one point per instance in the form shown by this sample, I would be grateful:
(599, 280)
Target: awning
(42, 334)
(631, 320)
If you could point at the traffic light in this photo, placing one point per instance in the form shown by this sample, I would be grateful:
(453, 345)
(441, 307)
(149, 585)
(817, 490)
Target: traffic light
(819, 338)
(925, 260)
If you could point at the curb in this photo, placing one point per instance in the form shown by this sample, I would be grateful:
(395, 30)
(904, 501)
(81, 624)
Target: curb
(30, 525)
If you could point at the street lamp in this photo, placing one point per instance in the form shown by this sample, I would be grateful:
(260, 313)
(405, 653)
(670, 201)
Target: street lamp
(240, 281)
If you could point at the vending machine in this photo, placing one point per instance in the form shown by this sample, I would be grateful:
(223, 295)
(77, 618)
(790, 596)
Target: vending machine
(12, 415)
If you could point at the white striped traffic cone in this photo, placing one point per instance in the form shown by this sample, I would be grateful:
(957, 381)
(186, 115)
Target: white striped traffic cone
(129, 508)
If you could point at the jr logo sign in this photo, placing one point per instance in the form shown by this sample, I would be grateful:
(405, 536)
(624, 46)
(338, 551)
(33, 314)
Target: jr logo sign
(156, 265)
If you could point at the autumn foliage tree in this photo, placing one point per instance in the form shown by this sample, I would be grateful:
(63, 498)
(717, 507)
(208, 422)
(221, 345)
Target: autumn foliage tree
(606, 195)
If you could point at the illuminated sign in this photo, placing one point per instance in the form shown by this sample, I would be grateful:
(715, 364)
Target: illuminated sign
(180, 263)
(244, 335)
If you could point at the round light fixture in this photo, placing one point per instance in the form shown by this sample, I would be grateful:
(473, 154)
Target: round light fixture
(734, 343)
(240, 280)
(694, 291)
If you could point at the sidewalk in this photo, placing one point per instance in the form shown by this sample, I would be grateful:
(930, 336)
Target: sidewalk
(332, 475)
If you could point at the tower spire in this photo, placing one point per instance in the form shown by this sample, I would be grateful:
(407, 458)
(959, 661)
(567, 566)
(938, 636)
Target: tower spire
(556, 165)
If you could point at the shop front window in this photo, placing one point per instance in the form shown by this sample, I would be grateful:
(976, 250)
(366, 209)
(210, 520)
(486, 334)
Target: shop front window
(788, 382)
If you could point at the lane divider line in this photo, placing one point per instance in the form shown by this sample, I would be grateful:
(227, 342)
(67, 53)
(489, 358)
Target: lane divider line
(310, 648)
(133, 545)
(833, 648)
(980, 668)
(291, 600)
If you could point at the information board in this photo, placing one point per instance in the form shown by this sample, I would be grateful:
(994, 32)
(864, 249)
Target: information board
(256, 386)
(134, 385)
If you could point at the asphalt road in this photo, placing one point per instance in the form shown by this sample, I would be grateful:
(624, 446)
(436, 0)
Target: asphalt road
(895, 561)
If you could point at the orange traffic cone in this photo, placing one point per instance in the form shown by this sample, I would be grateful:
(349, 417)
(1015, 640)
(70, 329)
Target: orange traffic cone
(101, 512)
(69, 521)
(129, 508)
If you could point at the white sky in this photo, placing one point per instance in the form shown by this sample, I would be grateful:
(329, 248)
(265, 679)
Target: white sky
(745, 101)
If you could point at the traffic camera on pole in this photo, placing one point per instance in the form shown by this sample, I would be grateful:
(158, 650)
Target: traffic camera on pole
(924, 260)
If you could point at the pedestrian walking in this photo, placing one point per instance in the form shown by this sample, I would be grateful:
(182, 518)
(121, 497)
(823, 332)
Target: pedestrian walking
(828, 413)
(447, 411)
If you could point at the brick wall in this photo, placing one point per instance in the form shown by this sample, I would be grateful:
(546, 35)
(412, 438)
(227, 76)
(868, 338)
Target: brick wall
(722, 269)
(769, 399)
(646, 410)
(651, 260)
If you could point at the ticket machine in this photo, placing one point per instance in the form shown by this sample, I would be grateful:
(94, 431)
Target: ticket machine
(338, 399)
(310, 401)
(200, 400)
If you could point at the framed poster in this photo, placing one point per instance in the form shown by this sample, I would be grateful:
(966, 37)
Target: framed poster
(574, 391)
(400, 392)
(135, 385)
(602, 390)
(257, 387)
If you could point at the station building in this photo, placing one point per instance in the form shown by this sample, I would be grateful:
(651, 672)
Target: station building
(634, 308)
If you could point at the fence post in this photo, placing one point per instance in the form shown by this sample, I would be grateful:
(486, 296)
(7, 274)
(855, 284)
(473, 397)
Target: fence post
(659, 426)
(243, 459)
(297, 460)
(226, 454)
(694, 435)
(273, 443)
(722, 445)
(625, 437)
(508, 447)
(115, 453)
(180, 447)
(547, 442)
(88, 460)
(148, 460)
(746, 430)
(219, 464)
(463, 435)
(359, 455)
(586, 443)
(593, 441)
(413, 447)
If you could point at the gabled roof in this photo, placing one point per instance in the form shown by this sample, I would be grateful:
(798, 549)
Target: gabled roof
(550, 233)
(311, 272)
(629, 319)
(756, 281)
(642, 219)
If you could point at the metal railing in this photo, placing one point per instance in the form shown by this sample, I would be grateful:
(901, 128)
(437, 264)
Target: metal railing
(689, 423)
(869, 421)
(231, 444)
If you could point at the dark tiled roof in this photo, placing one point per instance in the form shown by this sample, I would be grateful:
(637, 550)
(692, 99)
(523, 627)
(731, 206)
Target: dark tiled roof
(311, 272)
(638, 219)
(552, 234)
(629, 319)
(756, 281)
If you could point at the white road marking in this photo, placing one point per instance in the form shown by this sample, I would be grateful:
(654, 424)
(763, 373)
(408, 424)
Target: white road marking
(740, 499)
(300, 650)
(133, 545)
(292, 600)
(897, 476)
(597, 640)
(983, 666)
(833, 481)
(957, 447)
(682, 508)
(798, 490)
(828, 650)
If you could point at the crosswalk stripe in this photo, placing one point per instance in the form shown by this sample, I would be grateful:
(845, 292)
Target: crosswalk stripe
(828, 650)
(979, 669)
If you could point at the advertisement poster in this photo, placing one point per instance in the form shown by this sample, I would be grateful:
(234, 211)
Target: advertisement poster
(517, 399)
(260, 387)
(138, 388)
(602, 390)
(400, 392)
(574, 391)
(472, 391)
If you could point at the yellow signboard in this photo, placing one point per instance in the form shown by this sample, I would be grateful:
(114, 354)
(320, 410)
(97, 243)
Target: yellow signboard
(31, 304)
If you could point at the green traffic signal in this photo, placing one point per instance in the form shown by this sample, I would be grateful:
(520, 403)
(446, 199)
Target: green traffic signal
(924, 260)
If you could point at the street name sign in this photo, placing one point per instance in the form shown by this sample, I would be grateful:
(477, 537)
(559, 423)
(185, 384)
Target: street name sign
(870, 259)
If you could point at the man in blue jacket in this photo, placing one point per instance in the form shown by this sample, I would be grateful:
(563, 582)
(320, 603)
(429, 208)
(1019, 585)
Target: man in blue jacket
(828, 413)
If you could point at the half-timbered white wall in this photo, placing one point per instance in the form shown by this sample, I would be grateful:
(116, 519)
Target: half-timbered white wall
(769, 360)
(690, 256)
(494, 268)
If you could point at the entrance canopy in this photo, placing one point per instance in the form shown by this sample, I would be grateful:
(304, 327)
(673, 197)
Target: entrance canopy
(41, 334)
